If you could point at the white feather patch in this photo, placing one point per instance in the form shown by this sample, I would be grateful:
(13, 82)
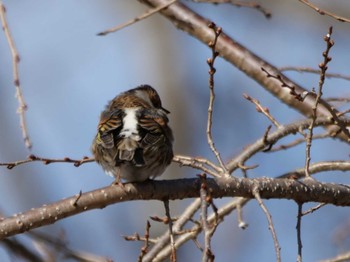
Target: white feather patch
(130, 124)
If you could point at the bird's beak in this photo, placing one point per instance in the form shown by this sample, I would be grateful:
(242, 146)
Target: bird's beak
(165, 110)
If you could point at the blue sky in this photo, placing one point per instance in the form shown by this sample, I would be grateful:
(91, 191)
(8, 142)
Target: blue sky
(68, 74)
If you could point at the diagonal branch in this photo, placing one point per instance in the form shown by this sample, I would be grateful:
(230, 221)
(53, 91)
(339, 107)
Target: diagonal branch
(242, 58)
(136, 19)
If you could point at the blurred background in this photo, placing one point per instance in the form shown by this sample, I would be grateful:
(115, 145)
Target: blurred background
(68, 74)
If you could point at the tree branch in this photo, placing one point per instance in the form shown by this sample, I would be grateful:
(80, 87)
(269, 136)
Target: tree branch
(242, 58)
(299, 191)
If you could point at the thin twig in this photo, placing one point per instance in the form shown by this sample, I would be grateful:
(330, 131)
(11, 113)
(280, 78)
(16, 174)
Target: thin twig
(177, 227)
(298, 227)
(198, 163)
(241, 223)
(195, 162)
(319, 167)
(254, 5)
(217, 31)
(136, 19)
(292, 89)
(313, 209)
(207, 252)
(262, 109)
(266, 140)
(343, 113)
(298, 142)
(146, 244)
(196, 229)
(269, 219)
(137, 237)
(302, 69)
(323, 66)
(46, 161)
(171, 234)
(323, 12)
(15, 61)
(75, 203)
(338, 99)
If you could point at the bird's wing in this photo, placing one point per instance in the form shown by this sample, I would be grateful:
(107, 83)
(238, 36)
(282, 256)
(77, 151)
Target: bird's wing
(153, 123)
(109, 124)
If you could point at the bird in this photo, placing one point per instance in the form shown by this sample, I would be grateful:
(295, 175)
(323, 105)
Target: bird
(134, 141)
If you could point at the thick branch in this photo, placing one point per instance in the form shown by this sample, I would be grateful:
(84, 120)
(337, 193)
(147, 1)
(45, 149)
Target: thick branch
(242, 58)
(299, 191)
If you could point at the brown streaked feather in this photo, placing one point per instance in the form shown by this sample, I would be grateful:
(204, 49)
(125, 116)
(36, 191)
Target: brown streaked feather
(125, 101)
(109, 122)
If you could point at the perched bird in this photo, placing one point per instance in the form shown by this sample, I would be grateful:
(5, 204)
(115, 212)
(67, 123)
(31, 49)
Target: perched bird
(134, 141)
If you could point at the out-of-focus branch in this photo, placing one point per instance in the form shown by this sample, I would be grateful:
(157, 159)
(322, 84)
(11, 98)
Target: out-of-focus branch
(136, 19)
(20, 250)
(253, 5)
(339, 258)
(323, 12)
(302, 69)
(15, 60)
(242, 58)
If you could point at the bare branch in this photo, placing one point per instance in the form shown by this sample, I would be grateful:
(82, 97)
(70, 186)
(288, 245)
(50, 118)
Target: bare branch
(208, 231)
(323, 12)
(323, 66)
(15, 61)
(298, 227)
(313, 209)
(136, 19)
(171, 234)
(298, 142)
(262, 109)
(20, 250)
(305, 191)
(319, 167)
(146, 244)
(273, 137)
(254, 5)
(222, 212)
(246, 61)
(340, 258)
(198, 163)
(177, 227)
(214, 54)
(301, 69)
(241, 223)
(47, 161)
(269, 219)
